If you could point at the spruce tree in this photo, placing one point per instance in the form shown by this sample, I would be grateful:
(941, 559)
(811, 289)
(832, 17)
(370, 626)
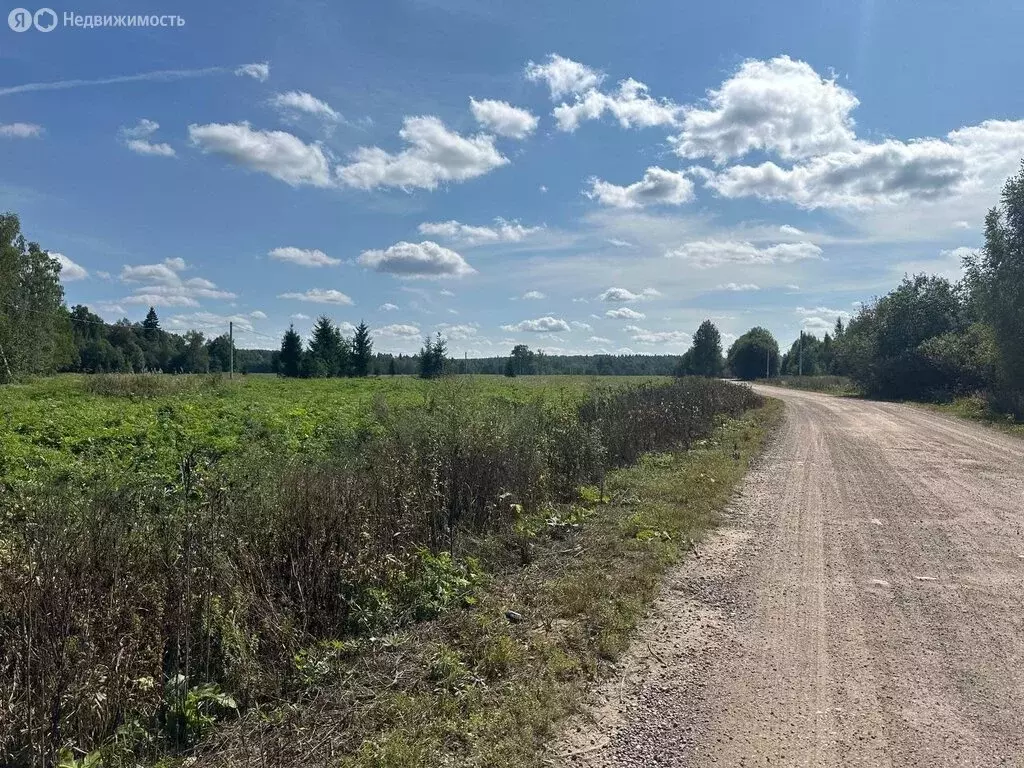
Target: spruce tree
(290, 358)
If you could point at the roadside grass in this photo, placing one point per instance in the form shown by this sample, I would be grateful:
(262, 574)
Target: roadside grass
(977, 409)
(481, 685)
(832, 385)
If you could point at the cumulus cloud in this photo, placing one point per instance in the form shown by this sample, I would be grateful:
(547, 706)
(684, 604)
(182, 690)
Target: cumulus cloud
(387, 307)
(163, 285)
(868, 175)
(210, 323)
(644, 336)
(624, 313)
(305, 257)
(318, 296)
(258, 315)
(434, 155)
(786, 229)
(630, 104)
(501, 232)
(137, 139)
(400, 331)
(780, 106)
(21, 131)
(258, 71)
(276, 153)
(600, 340)
(820, 318)
(739, 287)
(657, 187)
(69, 270)
(581, 326)
(624, 295)
(533, 295)
(502, 118)
(714, 253)
(458, 332)
(784, 108)
(294, 102)
(426, 259)
(545, 324)
(564, 76)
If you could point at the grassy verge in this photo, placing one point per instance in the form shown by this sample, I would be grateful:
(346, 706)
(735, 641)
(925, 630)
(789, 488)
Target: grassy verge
(831, 385)
(488, 684)
(977, 409)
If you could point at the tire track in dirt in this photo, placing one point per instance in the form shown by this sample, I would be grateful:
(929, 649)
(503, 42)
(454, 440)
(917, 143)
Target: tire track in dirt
(861, 606)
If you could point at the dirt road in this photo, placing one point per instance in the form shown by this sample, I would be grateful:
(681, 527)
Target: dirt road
(862, 606)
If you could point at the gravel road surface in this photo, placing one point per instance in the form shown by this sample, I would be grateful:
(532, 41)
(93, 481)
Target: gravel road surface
(862, 605)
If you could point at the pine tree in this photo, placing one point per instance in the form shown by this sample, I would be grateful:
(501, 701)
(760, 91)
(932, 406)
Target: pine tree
(290, 358)
(325, 348)
(151, 325)
(362, 350)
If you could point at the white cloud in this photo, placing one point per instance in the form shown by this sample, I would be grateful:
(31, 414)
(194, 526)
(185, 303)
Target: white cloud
(533, 295)
(136, 138)
(319, 296)
(786, 229)
(961, 224)
(581, 326)
(160, 300)
(426, 259)
(276, 153)
(620, 243)
(258, 315)
(738, 287)
(503, 119)
(624, 313)
(69, 270)
(387, 307)
(162, 285)
(503, 231)
(434, 155)
(458, 332)
(209, 323)
(657, 187)
(21, 131)
(300, 101)
(143, 147)
(564, 76)
(713, 253)
(545, 324)
(870, 174)
(645, 336)
(626, 295)
(299, 316)
(781, 106)
(305, 257)
(258, 71)
(820, 318)
(400, 331)
(631, 104)
(600, 340)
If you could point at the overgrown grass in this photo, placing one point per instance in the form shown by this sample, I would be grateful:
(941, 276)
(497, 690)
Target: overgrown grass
(134, 613)
(978, 408)
(476, 688)
(833, 385)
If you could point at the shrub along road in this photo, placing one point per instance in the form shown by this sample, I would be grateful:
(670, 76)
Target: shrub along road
(862, 606)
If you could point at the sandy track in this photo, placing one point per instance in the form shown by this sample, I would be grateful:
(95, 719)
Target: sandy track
(862, 606)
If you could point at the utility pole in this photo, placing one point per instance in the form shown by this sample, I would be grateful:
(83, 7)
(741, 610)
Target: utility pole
(801, 353)
(231, 349)
(768, 364)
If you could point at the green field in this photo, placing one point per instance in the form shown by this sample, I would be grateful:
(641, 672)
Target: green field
(87, 427)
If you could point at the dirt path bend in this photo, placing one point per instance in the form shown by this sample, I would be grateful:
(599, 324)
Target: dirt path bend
(863, 605)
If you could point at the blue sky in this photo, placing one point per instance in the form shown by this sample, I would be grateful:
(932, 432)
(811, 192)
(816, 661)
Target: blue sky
(579, 177)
